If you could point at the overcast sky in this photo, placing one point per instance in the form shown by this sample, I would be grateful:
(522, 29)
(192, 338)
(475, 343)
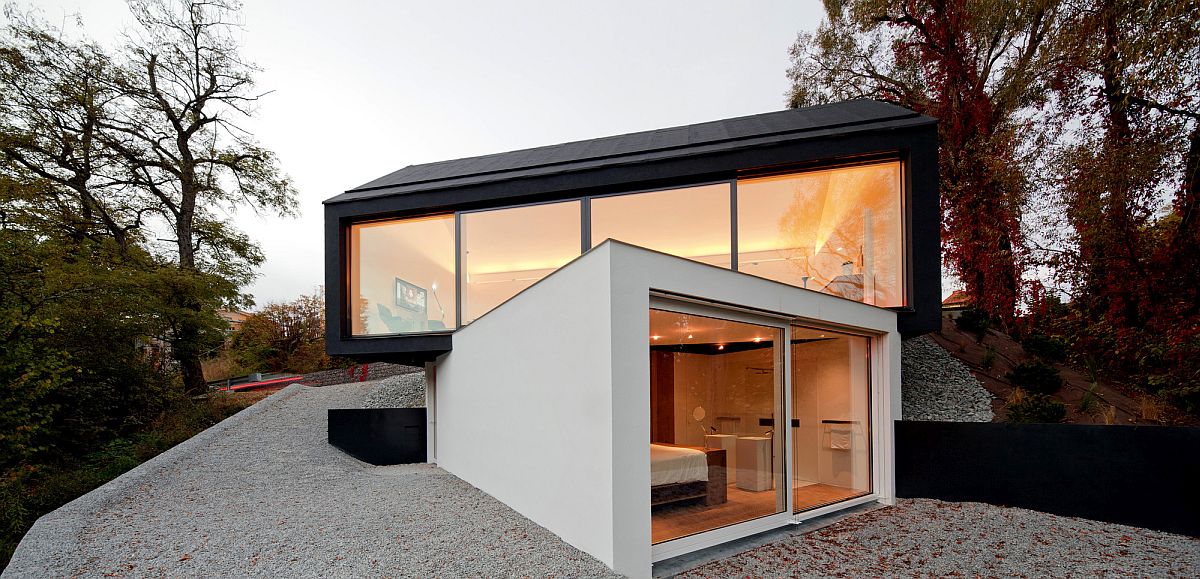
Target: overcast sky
(365, 88)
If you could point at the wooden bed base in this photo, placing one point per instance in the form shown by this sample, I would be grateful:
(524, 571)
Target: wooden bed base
(712, 492)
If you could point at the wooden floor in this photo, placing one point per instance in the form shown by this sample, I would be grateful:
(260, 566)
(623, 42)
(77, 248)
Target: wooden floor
(674, 521)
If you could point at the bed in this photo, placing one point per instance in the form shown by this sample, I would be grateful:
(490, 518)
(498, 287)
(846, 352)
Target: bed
(686, 473)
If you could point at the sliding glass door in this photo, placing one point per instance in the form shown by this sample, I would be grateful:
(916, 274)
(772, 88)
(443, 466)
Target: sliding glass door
(830, 417)
(716, 394)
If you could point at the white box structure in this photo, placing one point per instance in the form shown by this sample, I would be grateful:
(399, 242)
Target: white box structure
(542, 403)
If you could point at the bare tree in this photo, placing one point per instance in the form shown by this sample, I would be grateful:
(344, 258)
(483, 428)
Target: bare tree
(56, 95)
(185, 87)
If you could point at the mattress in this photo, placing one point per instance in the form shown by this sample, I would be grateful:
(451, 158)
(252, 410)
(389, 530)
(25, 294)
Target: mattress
(672, 464)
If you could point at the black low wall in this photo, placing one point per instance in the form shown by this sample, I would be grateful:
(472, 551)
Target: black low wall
(1146, 476)
(379, 435)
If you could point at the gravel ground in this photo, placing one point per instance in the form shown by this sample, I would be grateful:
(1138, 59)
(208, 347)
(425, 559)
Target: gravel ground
(936, 386)
(263, 494)
(404, 391)
(928, 538)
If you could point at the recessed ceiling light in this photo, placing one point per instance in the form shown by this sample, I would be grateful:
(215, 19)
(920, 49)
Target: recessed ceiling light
(689, 336)
(757, 339)
(655, 337)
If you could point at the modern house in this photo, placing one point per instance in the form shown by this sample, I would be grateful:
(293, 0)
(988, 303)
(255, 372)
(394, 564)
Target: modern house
(657, 342)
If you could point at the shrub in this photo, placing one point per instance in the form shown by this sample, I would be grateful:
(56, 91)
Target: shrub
(1036, 377)
(1087, 404)
(974, 321)
(1052, 348)
(1036, 408)
(989, 358)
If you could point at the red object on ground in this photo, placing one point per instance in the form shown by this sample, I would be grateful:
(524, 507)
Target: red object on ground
(265, 383)
(355, 375)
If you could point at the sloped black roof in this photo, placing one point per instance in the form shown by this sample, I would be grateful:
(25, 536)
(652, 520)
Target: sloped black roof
(640, 147)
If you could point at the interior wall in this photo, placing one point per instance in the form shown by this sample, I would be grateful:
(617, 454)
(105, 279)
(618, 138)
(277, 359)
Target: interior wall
(731, 389)
(830, 381)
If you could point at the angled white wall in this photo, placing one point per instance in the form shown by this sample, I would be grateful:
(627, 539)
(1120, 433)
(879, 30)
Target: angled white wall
(524, 405)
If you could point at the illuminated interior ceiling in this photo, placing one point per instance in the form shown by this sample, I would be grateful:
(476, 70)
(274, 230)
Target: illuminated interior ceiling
(812, 209)
(430, 239)
(670, 328)
(690, 222)
(520, 244)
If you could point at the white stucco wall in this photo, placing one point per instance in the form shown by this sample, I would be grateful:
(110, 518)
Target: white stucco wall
(543, 402)
(524, 405)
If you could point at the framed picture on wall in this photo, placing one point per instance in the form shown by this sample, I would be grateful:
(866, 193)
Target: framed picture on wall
(411, 297)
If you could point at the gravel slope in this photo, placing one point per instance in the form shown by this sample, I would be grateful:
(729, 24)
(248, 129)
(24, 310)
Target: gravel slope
(936, 386)
(928, 538)
(405, 391)
(263, 494)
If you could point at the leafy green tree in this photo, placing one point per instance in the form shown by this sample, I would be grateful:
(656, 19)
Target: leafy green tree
(145, 147)
(284, 337)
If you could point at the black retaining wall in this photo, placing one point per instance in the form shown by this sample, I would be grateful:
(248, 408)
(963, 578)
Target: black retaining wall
(1146, 476)
(379, 435)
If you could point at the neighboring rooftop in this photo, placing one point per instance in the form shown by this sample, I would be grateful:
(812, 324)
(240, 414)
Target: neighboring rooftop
(755, 130)
(956, 301)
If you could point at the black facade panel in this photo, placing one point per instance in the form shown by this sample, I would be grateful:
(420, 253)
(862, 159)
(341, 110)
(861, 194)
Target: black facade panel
(380, 436)
(1145, 476)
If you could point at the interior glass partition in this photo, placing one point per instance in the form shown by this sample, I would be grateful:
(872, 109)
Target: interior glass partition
(838, 231)
(692, 222)
(831, 409)
(401, 276)
(505, 251)
(716, 392)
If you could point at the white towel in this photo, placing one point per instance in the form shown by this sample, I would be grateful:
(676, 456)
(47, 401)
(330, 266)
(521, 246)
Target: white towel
(839, 438)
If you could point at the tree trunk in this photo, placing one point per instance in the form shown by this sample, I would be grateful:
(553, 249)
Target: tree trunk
(188, 352)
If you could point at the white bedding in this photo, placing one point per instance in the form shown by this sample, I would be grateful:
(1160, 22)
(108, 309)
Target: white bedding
(671, 464)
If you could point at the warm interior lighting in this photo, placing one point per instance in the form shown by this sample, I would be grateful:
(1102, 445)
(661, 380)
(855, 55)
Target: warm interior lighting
(691, 222)
(757, 340)
(395, 273)
(721, 346)
(655, 337)
(505, 251)
(839, 231)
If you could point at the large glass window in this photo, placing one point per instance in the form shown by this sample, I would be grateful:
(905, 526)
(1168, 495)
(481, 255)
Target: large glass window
(507, 250)
(831, 410)
(692, 222)
(402, 276)
(839, 231)
(716, 395)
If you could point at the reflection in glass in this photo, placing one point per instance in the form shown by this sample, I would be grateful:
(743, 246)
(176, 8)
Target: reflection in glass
(692, 222)
(506, 250)
(716, 456)
(831, 437)
(838, 231)
(402, 276)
